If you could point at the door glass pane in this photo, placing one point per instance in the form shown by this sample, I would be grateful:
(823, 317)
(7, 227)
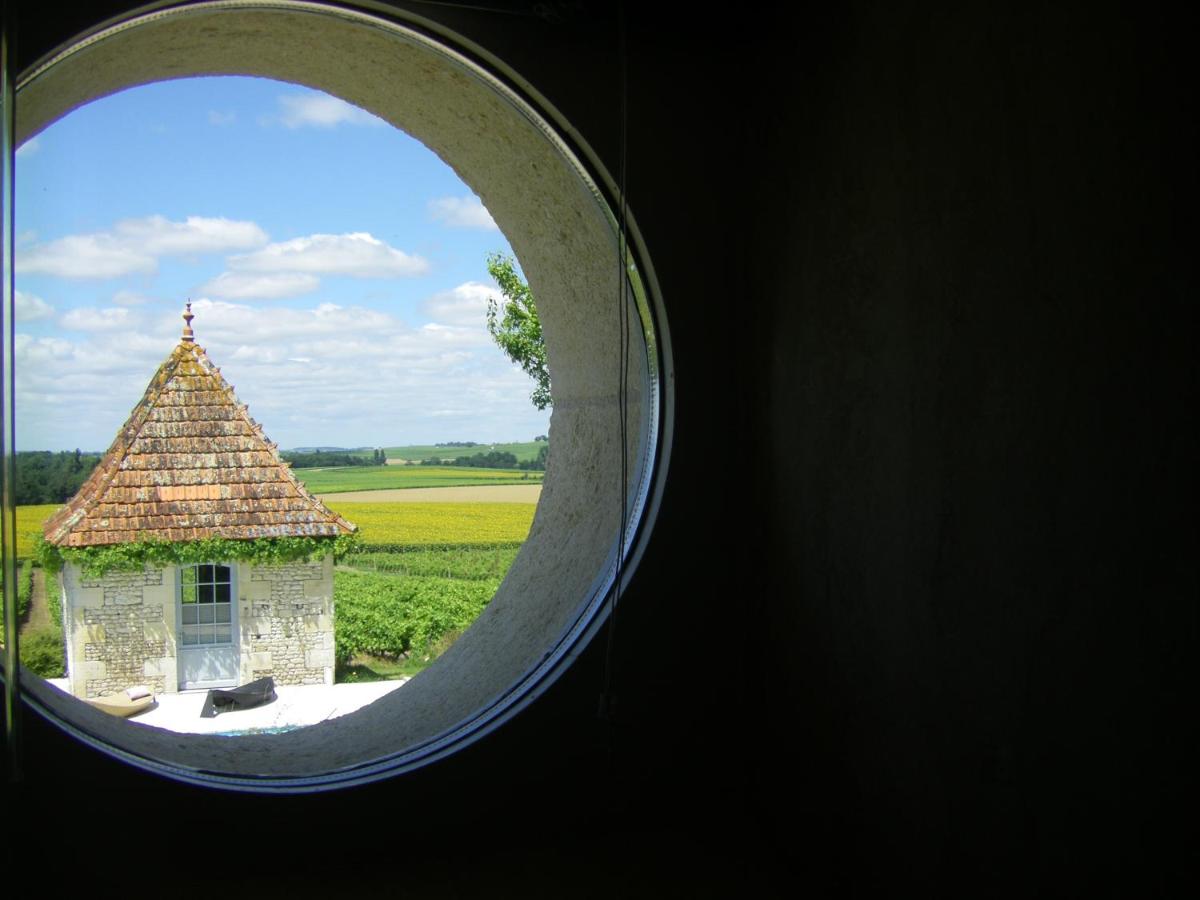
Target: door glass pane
(206, 605)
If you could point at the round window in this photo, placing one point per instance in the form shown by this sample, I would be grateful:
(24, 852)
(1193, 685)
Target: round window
(605, 340)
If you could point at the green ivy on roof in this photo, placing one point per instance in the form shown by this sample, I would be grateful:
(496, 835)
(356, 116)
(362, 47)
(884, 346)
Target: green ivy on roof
(98, 560)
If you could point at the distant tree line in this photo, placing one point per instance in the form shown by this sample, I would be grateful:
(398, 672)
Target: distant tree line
(321, 458)
(457, 444)
(496, 459)
(46, 477)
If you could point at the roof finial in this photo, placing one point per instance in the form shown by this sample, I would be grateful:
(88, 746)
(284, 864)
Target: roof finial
(188, 336)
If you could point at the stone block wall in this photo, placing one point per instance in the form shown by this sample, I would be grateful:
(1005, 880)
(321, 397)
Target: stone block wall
(122, 627)
(120, 631)
(287, 622)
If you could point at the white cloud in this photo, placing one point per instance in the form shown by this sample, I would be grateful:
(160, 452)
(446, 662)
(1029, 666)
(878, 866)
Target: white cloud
(332, 374)
(321, 111)
(84, 256)
(28, 148)
(57, 400)
(260, 286)
(357, 254)
(115, 318)
(134, 245)
(235, 325)
(461, 212)
(129, 298)
(30, 308)
(196, 234)
(464, 305)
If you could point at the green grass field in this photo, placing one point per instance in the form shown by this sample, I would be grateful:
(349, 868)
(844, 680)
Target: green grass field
(475, 563)
(522, 451)
(383, 478)
(439, 524)
(425, 572)
(397, 611)
(29, 525)
(408, 525)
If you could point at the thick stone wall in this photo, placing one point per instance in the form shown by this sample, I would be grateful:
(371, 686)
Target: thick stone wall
(120, 632)
(287, 622)
(566, 242)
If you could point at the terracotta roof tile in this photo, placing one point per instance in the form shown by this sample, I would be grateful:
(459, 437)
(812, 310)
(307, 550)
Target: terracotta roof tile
(190, 464)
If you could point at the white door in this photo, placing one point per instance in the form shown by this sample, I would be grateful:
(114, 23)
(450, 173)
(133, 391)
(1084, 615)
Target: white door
(208, 651)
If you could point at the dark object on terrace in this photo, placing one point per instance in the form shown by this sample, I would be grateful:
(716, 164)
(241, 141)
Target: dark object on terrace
(248, 696)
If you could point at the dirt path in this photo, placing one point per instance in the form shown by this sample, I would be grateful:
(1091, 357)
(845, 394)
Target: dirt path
(495, 493)
(39, 609)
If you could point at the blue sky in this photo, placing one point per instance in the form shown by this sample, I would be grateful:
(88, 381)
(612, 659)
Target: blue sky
(336, 269)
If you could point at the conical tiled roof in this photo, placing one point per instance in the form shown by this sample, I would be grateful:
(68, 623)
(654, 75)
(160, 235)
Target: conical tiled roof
(190, 464)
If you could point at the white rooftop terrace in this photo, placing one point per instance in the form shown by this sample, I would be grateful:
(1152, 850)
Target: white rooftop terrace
(295, 706)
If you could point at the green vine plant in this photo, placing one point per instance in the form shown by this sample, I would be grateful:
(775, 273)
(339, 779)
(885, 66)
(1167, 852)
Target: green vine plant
(134, 557)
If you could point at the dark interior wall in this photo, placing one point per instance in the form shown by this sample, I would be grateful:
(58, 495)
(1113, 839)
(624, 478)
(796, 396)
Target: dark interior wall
(934, 626)
(979, 358)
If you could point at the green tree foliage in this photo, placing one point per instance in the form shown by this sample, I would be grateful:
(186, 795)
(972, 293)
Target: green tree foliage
(321, 459)
(42, 653)
(538, 464)
(24, 589)
(45, 477)
(515, 327)
(494, 459)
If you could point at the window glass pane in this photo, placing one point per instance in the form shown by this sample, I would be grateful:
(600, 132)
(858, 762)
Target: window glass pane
(222, 592)
(221, 573)
(187, 575)
(188, 637)
(223, 612)
(189, 615)
(206, 573)
(187, 593)
(224, 634)
(206, 593)
(206, 613)
(206, 634)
